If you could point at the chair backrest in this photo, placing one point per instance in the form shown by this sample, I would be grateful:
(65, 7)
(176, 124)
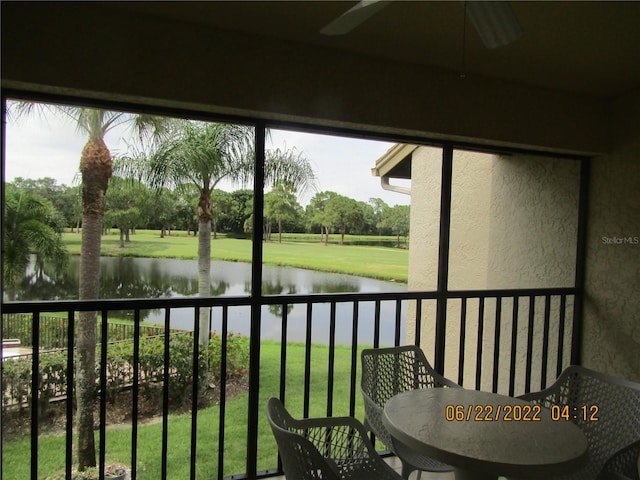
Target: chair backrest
(389, 371)
(300, 458)
(606, 408)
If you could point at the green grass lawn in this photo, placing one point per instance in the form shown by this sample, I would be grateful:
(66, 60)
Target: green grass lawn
(118, 444)
(385, 263)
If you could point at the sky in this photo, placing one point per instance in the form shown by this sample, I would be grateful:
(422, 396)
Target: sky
(50, 146)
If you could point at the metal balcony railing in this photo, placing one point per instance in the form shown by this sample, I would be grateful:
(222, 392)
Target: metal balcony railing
(506, 341)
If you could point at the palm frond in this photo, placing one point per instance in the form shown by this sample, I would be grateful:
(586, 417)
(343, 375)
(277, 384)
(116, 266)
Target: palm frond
(291, 167)
(32, 225)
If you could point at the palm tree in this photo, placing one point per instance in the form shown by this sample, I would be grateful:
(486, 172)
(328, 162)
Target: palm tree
(96, 168)
(201, 155)
(194, 155)
(31, 225)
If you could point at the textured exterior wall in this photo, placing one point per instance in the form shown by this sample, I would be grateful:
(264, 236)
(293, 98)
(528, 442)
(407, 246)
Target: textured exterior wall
(513, 221)
(426, 174)
(470, 211)
(611, 335)
(533, 222)
(513, 225)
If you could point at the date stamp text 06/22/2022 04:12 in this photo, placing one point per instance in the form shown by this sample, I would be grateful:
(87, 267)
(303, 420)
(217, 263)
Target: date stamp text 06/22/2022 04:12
(518, 413)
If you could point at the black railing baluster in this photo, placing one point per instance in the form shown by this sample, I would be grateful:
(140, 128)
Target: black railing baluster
(463, 334)
(135, 393)
(194, 393)
(479, 343)
(283, 353)
(70, 383)
(283, 364)
(307, 361)
(418, 332)
(514, 342)
(165, 390)
(223, 389)
(527, 377)
(496, 344)
(331, 365)
(561, 326)
(104, 328)
(376, 325)
(545, 342)
(396, 340)
(354, 359)
(35, 387)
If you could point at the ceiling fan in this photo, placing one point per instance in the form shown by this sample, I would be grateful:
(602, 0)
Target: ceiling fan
(494, 21)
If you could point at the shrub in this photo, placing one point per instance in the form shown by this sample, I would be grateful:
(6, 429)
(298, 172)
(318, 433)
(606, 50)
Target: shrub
(119, 358)
(237, 356)
(151, 361)
(181, 366)
(17, 375)
(53, 375)
(16, 378)
(16, 381)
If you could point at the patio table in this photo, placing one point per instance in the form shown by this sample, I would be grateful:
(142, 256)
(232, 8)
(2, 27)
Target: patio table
(483, 434)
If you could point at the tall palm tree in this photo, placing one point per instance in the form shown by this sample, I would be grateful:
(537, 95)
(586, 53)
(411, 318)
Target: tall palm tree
(31, 226)
(96, 168)
(201, 155)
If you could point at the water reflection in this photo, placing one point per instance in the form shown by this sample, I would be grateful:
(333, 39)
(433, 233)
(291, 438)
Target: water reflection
(128, 277)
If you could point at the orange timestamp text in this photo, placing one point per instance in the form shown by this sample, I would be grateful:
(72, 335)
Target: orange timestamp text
(583, 413)
(492, 413)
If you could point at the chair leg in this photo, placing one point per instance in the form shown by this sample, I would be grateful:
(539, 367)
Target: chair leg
(406, 471)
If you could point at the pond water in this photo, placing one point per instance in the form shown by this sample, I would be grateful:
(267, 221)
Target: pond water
(127, 277)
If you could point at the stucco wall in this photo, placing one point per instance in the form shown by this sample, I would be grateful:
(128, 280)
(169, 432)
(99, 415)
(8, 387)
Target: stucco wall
(532, 244)
(513, 225)
(513, 221)
(611, 336)
(470, 210)
(533, 222)
(426, 174)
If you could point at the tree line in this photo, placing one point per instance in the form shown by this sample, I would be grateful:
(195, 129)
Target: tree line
(132, 204)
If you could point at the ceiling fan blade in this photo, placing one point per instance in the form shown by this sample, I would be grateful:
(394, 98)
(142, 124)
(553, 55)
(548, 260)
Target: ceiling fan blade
(354, 17)
(495, 22)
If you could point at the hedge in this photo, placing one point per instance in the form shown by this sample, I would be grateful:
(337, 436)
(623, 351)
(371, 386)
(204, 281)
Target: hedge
(52, 383)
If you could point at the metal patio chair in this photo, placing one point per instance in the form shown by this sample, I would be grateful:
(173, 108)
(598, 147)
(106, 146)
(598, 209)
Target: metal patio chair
(387, 372)
(624, 465)
(332, 448)
(611, 424)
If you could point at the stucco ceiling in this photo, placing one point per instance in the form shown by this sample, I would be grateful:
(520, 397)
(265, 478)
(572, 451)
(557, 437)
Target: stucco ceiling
(590, 48)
